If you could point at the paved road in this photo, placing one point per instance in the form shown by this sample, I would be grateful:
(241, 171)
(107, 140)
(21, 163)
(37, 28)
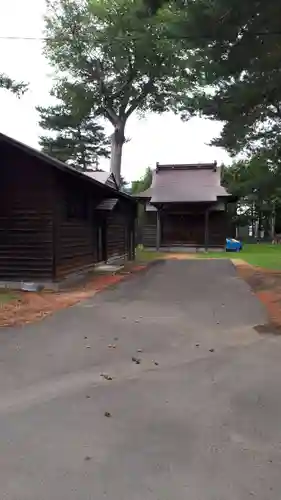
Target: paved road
(202, 424)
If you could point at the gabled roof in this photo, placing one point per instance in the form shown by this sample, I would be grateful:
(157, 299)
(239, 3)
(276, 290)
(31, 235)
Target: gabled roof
(190, 183)
(49, 160)
(103, 177)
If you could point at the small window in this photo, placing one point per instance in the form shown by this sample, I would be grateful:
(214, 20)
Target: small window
(77, 206)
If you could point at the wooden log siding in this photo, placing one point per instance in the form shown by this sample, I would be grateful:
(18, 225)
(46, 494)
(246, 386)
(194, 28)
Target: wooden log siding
(148, 229)
(116, 235)
(120, 225)
(75, 235)
(26, 217)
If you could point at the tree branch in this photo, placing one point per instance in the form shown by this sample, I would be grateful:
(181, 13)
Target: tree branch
(97, 74)
(126, 87)
(145, 90)
(7, 83)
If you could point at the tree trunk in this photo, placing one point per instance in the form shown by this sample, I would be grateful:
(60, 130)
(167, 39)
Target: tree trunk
(253, 221)
(117, 141)
(260, 219)
(272, 225)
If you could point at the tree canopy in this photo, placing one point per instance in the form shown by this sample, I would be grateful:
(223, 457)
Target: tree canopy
(237, 71)
(258, 188)
(116, 58)
(74, 136)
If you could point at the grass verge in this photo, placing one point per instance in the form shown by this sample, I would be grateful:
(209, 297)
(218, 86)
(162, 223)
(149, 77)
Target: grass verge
(7, 296)
(259, 255)
(262, 255)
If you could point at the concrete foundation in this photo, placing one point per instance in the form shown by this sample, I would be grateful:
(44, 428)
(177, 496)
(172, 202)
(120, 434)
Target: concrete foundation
(114, 264)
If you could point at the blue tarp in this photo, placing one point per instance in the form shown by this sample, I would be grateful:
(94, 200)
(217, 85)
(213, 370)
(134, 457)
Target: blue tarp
(233, 245)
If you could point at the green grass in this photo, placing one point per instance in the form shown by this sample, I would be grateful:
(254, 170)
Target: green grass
(7, 296)
(148, 255)
(261, 255)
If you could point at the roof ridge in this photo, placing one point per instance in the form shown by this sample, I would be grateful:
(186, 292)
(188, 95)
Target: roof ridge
(187, 166)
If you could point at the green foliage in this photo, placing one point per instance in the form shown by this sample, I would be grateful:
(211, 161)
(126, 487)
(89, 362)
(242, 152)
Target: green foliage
(7, 83)
(237, 71)
(75, 137)
(115, 56)
(258, 188)
(143, 183)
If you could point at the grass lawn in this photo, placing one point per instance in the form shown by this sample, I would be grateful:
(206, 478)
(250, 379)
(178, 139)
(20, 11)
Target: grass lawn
(7, 296)
(260, 255)
(143, 255)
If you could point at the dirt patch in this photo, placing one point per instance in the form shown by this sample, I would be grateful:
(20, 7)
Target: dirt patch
(269, 329)
(29, 307)
(266, 284)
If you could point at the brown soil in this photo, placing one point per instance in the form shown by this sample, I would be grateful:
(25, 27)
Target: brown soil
(266, 284)
(29, 307)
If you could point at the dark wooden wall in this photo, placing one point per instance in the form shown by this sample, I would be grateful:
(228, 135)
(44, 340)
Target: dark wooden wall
(185, 228)
(120, 226)
(48, 220)
(148, 229)
(218, 228)
(26, 217)
(116, 234)
(77, 234)
(75, 225)
(182, 229)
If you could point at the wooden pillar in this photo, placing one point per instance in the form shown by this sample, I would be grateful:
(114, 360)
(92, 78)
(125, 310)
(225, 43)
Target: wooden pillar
(132, 241)
(206, 230)
(158, 230)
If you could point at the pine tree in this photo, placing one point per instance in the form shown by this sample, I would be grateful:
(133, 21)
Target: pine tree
(73, 138)
(7, 83)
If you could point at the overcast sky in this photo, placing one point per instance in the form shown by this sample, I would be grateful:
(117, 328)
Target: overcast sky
(165, 138)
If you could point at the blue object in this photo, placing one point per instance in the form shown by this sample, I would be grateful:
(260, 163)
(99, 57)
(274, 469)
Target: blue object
(233, 245)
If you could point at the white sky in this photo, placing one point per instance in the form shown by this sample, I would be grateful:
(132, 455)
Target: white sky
(164, 138)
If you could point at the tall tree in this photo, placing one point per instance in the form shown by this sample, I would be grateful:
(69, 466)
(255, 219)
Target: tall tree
(237, 61)
(74, 137)
(258, 188)
(117, 58)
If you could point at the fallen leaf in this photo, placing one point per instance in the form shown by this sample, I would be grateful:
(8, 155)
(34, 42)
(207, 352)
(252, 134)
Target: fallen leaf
(87, 459)
(197, 345)
(107, 414)
(136, 360)
(139, 350)
(106, 376)
(212, 350)
(156, 363)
